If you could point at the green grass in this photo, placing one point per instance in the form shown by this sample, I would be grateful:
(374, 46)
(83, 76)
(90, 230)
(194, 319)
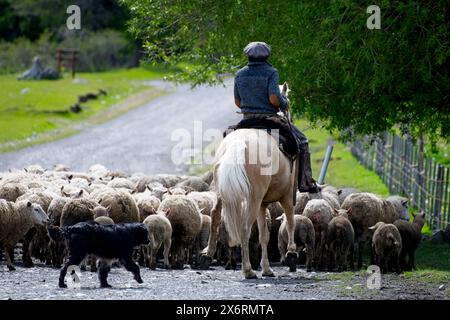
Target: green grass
(27, 108)
(343, 170)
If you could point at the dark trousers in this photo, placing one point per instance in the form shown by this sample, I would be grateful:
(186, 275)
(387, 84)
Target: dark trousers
(306, 183)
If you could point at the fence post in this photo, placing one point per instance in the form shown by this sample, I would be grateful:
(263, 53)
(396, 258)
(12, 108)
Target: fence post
(438, 195)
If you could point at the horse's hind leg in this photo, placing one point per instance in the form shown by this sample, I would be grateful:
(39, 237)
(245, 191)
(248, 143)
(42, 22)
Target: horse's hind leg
(208, 252)
(291, 255)
(264, 240)
(253, 211)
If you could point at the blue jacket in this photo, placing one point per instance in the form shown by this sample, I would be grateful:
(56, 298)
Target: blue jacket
(254, 84)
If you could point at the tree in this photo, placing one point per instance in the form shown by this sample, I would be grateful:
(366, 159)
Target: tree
(342, 74)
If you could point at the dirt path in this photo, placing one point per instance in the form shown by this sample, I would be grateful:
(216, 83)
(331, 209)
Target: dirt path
(41, 283)
(140, 140)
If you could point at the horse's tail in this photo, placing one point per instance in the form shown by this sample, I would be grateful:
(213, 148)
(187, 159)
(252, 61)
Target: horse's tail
(234, 189)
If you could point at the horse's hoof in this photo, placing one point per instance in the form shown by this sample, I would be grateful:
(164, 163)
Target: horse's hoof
(268, 274)
(251, 275)
(291, 261)
(11, 268)
(204, 262)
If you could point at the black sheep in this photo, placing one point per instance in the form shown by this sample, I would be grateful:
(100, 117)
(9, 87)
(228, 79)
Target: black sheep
(106, 242)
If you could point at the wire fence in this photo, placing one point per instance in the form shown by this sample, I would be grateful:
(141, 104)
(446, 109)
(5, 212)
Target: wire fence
(403, 168)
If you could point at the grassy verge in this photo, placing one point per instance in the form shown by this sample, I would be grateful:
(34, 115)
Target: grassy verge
(34, 111)
(343, 170)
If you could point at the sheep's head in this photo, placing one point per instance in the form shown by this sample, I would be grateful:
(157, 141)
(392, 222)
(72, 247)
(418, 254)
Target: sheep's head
(341, 212)
(38, 215)
(419, 218)
(100, 211)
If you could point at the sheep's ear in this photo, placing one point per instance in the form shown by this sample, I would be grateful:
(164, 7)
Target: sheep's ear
(167, 212)
(349, 210)
(28, 204)
(70, 177)
(25, 169)
(374, 227)
(339, 191)
(405, 203)
(169, 192)
(335, 210)
(152, 210)
(148, 188)
(81, 192)
(133, 191)
(285, 87)
(202, 210)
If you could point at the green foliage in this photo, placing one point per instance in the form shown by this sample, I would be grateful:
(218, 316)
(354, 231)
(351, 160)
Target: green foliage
(353, 79)
(30, 18)
(99, 51)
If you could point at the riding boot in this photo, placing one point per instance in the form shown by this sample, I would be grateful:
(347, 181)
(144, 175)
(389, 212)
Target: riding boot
(306, 183)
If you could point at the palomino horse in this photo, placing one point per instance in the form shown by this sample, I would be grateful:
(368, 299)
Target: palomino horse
(246, 181)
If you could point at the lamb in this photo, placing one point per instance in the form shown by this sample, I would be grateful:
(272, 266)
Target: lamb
(387, 245)
(54, 214)
(121, 206)
(301, 201)
(196, 183)
(304, 237)
(201, 240)
(106, 242)
(340, 239)
(204, 200)
(11, 191)
(104, 220)
(320, 213)
(186, 219)
(276, 210)
(147, 206)
(77, 210)
(411, 234)
(345, 192)
(118, 183)
(159, 232)
(16, 220)
(366, 210)
(37, 241)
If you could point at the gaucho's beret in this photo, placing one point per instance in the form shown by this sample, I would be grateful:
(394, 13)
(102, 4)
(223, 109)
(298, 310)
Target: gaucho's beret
(257, 50)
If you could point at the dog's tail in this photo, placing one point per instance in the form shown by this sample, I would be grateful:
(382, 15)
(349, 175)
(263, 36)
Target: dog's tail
(55, 233)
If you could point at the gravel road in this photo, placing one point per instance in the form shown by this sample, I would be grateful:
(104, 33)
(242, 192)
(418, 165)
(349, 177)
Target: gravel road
(140, 140)
(40, 282)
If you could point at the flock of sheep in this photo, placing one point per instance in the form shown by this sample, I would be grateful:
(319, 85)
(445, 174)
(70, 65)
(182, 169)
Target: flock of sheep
(329, 226)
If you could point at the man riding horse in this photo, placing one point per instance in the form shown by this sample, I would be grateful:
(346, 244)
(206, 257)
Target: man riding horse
(257, 94)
